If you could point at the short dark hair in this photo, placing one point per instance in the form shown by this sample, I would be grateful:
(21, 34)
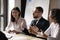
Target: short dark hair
(40, 9)
(15, 8)
(56, 14)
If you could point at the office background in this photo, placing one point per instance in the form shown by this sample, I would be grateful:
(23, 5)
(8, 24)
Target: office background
(26, 7)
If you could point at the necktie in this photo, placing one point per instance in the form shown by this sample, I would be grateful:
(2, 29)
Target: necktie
(35, 21)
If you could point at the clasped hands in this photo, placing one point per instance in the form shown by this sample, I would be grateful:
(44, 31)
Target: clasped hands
(13, 31)
(34, 30)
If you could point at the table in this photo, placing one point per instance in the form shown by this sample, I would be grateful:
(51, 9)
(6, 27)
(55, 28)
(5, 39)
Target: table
(21, 37)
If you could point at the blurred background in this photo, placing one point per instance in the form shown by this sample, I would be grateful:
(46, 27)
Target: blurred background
(26, 7)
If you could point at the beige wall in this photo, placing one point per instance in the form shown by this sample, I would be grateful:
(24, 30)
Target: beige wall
(54, 4)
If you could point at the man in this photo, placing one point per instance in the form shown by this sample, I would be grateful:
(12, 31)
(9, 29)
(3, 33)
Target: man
(39, 23)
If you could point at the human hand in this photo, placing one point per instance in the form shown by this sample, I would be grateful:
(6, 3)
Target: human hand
(9, 31)
(44, 35)
(33, 29)
(13, 31)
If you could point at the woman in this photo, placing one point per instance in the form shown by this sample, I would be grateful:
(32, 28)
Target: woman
(53, 31)
(17, 23)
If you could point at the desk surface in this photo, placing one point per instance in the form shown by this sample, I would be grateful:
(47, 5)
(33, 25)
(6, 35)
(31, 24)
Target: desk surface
(24, 37)
(21, 37)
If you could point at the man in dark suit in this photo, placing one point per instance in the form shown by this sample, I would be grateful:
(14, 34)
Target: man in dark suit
(39, 23)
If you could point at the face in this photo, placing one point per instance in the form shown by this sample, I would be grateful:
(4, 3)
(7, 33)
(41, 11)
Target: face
(50, 17)
(37, 14)
(15, 13)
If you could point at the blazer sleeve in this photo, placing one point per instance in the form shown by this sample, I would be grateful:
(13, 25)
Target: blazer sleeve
(45, 25)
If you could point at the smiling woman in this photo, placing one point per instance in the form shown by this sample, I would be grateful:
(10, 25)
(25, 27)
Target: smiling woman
(17, 23)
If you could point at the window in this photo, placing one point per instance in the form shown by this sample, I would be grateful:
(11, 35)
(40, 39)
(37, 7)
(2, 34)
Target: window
(3, 14)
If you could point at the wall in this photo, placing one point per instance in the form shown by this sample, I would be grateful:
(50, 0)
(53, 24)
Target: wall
(18, 3)
(11, 4)
(54, 4)
(1, 17)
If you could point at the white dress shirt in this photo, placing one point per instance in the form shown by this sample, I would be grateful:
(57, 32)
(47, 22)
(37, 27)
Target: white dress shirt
(19, 26)
(52, 30)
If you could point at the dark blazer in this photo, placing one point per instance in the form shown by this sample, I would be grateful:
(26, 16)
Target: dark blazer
(42, 24)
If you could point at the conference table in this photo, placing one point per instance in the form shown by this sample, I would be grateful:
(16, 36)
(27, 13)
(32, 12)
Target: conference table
(20, 36)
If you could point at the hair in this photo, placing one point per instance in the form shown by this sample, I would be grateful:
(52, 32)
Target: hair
(3, 36)
(55, 13)
(15, 8)
(40, 9)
